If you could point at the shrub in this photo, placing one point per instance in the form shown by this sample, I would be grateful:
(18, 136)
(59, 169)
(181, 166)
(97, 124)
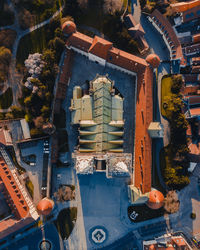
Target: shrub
(193, 216)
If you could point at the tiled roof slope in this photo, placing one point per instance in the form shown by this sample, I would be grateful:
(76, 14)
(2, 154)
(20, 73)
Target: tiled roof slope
(111, 54)
(170, 34)
(191, 14)
(10, 189)
(100, 47)
(144, 115)
(183, 6)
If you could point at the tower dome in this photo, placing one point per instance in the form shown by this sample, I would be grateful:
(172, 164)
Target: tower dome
(156, 199)
(153, 60)
(69, 27)
(45, 206)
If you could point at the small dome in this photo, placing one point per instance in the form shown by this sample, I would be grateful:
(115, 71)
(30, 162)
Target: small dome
(156, 199)
(45, 206)
(154, 60)
(69, 27)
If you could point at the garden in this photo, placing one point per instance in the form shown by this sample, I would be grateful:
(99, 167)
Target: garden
(173, 159)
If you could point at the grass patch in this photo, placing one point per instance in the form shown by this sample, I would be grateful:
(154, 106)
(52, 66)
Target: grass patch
(6, 99)
(65, 221)
(166, 93)
(30, 187)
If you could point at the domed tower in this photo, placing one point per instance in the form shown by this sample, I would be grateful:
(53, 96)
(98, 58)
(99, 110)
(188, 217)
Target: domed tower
(45, 206)
(156, 199)
(153, 60)
(68, 28)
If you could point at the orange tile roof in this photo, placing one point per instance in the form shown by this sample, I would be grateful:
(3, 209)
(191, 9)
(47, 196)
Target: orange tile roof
(45, 206)
(179, 241)
(68, 27)
(191, 14)
(191, 77)
(2, 137)
(16, 198)
(190, 90)
(195, 99)
(144, 115)
(114, 55)
(189, 130)
(196, 38)
(183, 6)
(100, 47)
(192, 48)
(195, 111)
(126, 60)
(80, 41)
(163, 22)
(196, 69)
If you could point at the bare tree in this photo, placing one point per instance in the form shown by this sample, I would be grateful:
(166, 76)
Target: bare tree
(83, 3)
(111, 6)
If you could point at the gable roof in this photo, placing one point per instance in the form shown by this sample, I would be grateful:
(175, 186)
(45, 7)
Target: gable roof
(100, 47)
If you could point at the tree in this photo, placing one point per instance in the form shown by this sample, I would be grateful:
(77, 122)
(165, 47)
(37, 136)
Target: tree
(45, 111)
(111, 6)
(177, 83)
(5, 56)
(142, 3)
(17, 112)
(39, 121)
(28, 117)
(35, 132)
(9, 115)
(28, 101)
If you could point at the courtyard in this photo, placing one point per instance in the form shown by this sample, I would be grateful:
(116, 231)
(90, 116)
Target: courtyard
(101, 202)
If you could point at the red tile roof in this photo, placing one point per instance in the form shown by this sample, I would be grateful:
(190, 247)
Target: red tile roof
(195, 111)
(190, 90)
(196, 69)
(45, 206)
(184, 6)
(100, 47)
(169, 33)
(156, 199)
(192, 49)
(80, 41)
(114, 55)
(195, 99)
(191, 14)
(68, 27)
(144, 115)
(154, 60)
(191, 78)
(196, 38)
(16, 200)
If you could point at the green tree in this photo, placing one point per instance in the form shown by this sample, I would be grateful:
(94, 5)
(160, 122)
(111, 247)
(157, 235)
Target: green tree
(17, 112)
(45, 111)
(28, 101)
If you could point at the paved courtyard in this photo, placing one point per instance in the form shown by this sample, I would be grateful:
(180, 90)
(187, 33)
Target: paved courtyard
(34, 172)
(99, 200)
